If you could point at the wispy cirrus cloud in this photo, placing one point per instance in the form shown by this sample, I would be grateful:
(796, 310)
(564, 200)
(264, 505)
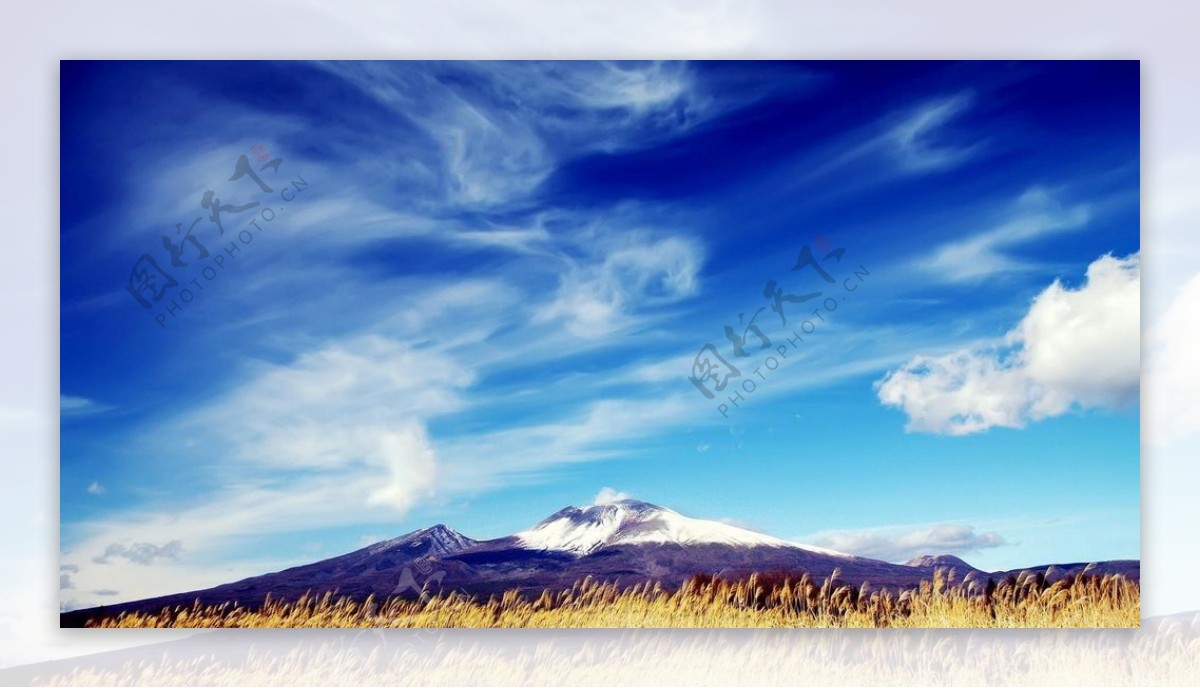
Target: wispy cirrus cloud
(913, 140)
(596, 297)
(80, 406)
(1035, 215)
(494, 147)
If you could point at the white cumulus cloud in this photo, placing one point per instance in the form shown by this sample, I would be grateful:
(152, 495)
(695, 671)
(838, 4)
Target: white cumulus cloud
(1173, 369)
(1075, 348)
(607, 495)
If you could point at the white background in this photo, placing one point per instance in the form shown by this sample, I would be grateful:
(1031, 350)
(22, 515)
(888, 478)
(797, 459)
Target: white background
(35, 36)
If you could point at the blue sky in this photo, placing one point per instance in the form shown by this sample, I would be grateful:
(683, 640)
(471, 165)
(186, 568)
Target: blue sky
(482, 288)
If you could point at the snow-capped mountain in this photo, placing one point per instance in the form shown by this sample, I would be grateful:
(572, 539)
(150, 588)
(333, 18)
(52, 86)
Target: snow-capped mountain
(631, 522)
(626, 542)
(433, 541)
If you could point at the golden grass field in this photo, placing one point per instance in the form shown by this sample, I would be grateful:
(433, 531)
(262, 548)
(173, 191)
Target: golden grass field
(761, 601)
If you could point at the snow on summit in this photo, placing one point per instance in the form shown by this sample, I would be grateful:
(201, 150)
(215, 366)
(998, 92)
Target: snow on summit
(632, 522)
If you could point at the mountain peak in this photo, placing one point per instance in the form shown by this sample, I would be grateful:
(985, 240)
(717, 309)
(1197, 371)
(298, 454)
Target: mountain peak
(584, 530)
(438, 529)
(599, 511)
(938, 560)
(436, 540)
(630, 503)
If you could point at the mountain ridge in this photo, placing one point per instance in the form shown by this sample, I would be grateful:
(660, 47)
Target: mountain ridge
(627, 542)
